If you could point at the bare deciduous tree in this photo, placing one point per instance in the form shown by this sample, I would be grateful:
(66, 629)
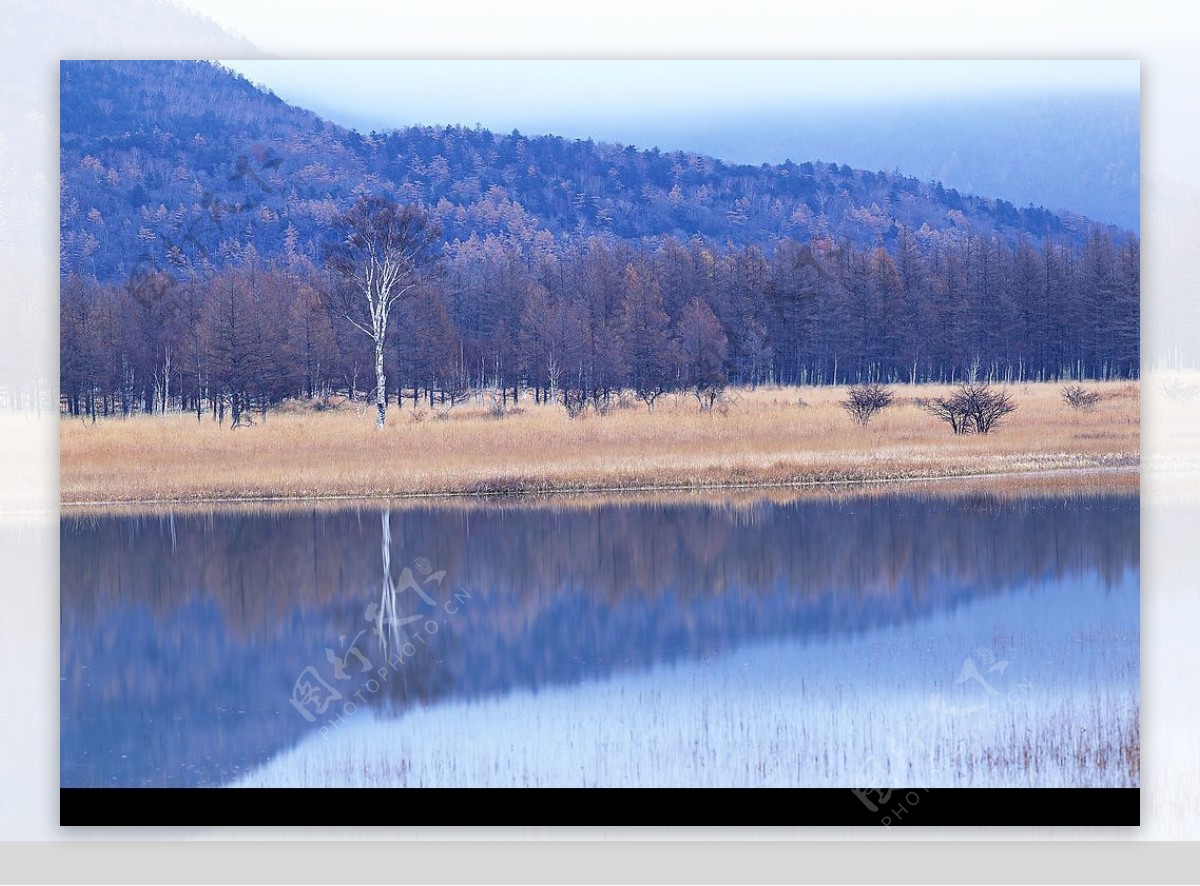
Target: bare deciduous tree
(972, 408)
(382, 251)
(988, 407)
(864, 400)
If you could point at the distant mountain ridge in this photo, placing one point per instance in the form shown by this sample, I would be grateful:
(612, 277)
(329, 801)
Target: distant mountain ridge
(1079, 152)
(173, 164)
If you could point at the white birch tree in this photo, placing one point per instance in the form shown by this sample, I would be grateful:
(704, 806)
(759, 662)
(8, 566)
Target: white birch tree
(382, 252)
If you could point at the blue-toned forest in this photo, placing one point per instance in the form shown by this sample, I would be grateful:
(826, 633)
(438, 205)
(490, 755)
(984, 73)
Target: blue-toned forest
(197, 210)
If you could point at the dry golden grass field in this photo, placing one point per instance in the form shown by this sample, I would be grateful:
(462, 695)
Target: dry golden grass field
(765, 437)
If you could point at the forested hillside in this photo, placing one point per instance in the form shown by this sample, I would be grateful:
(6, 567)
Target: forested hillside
(174, 161)
(195, 207)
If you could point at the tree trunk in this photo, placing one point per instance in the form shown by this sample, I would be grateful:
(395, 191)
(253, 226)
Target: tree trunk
(380, 385)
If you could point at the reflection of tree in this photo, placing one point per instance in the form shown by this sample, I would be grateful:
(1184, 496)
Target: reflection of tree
(229, 614)
(389, 618)
(257, 567)
(387, 621)
(555, 593)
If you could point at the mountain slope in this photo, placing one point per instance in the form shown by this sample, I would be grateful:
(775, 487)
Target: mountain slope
(176, 163)
(1077, 152)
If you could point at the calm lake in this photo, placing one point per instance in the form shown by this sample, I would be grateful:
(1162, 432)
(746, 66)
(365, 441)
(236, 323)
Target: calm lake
(904, 638)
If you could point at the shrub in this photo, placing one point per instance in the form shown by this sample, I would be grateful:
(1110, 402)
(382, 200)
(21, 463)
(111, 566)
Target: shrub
(864, 400)
(496, 407)
(1178, 390)
(710, 395)
(326, 403)
(972, 408)
(575, 401)
(628, 400)
(1079, 397)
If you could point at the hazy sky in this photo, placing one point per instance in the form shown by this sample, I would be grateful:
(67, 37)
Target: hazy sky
(572, 97)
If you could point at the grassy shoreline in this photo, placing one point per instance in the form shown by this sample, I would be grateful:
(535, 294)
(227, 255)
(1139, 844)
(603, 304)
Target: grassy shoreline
(769, 438)
(1124, 478)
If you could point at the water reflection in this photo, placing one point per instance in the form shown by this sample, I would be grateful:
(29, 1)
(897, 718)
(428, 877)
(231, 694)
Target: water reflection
(183, 635)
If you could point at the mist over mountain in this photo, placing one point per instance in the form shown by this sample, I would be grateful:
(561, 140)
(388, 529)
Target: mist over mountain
(1062, 145)
(1079, 153)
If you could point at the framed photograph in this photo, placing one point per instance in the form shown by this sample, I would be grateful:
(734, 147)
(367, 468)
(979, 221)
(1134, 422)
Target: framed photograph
(724, 437)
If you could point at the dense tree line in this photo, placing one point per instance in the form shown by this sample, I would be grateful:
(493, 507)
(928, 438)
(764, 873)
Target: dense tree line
(949, 548)
(583, 318)
(196, 208)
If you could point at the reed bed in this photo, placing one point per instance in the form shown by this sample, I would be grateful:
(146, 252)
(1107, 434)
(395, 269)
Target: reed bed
(769, 436)
(884, 708)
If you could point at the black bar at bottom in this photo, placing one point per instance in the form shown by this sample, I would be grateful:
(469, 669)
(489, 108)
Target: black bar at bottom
(649, 807)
